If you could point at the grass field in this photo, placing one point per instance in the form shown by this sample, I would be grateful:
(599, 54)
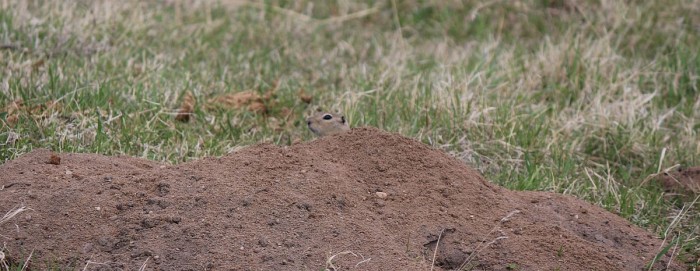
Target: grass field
(587, 98)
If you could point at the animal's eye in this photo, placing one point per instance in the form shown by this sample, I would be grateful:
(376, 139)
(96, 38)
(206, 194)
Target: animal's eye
(308, 123)
(342, 119)
(327, 116)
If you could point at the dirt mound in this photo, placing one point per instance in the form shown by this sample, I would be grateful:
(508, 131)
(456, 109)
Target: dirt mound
(682, 181)
(364, 200)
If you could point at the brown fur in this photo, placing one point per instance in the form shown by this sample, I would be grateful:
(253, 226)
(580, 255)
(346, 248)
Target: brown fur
(321, 126)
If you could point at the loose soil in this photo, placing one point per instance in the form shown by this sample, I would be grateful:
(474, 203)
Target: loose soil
(683, 181)
(363, 200)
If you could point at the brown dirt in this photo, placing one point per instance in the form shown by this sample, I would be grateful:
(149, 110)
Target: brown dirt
(684, 181)
(309, 206)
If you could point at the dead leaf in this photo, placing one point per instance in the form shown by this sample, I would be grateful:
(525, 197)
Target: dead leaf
(14, 106)
(248, 100)
(186, 107)
(12, 111)
(272, 92)
(286, 113)
(36, 65)
(257, 107)
(306, 98)
(12, 120)
(236, 100)
(45, 110)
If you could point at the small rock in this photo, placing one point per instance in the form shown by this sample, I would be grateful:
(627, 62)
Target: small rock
(263, 242)
(381, 195)
(87, 248)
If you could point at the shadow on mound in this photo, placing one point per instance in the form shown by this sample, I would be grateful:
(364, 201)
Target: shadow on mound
(364, 200)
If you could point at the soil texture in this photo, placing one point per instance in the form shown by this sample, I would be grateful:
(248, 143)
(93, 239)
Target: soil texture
(684, 181)
(362, 200)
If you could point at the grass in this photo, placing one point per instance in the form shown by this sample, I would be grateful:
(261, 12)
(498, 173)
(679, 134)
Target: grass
(575, 97)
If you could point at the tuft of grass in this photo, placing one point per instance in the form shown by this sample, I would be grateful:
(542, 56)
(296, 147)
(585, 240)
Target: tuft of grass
(575, 97)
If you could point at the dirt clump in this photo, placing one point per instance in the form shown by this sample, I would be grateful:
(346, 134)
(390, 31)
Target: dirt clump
(362, 200)
(684, 181)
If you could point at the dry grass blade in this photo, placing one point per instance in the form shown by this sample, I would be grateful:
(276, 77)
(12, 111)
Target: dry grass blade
(674, 224)
(3, 262)
(355, 15)
(26, 262)
(10, 214)
(329, 262)
(288, 12)
(308, 19)
(437, 244)
(89, 262)
(143, 266)
(483, 246)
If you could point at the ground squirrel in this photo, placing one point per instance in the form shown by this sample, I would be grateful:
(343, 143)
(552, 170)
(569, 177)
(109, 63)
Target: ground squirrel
(323, 124)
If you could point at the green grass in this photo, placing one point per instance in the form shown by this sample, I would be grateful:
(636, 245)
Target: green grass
(579, 99)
